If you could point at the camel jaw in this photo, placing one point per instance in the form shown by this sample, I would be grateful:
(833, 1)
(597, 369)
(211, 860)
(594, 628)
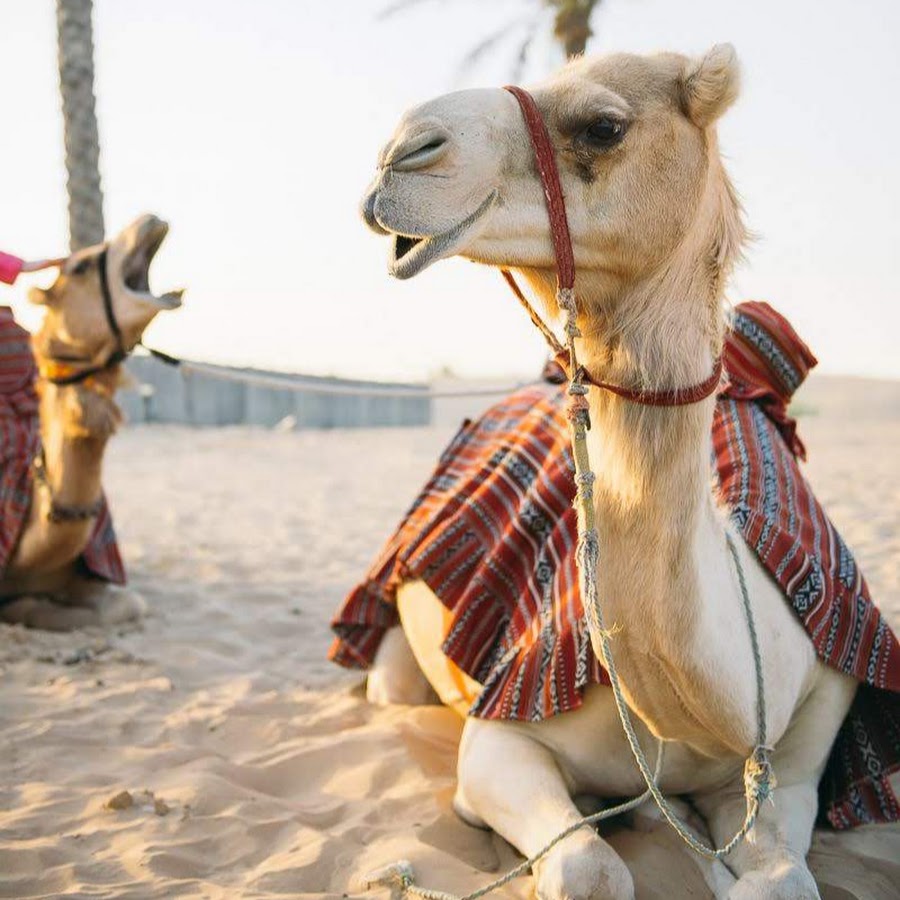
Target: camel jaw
(411, 255)
(135, 268)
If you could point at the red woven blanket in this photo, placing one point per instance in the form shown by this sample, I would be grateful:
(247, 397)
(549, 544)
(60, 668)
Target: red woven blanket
(19, 442)
(493, 535)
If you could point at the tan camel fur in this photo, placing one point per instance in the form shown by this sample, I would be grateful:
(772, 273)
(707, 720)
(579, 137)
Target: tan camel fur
(656, 229)
(76, 421)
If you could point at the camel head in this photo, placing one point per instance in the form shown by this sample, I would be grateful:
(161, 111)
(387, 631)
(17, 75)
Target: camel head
(75, 326)
(636, 149)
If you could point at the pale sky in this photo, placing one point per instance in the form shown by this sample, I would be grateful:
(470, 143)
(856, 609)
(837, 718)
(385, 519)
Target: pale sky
(254, 127)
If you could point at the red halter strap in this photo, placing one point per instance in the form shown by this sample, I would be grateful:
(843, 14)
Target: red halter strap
(556, 204)
(545, 158)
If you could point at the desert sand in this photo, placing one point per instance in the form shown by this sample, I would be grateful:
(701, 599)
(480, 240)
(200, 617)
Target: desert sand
(254, 768)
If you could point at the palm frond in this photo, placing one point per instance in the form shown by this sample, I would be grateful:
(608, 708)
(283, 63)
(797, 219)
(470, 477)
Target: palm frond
(524, 49)
(474, 55)
(398, 6)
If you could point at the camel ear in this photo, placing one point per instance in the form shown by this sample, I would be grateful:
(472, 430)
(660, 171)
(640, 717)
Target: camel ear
(710, 85)
(40, 297)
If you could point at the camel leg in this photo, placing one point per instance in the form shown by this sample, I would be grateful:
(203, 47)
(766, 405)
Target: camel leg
(395, 676)
(771, 864)
(85, 603)
(525, 799)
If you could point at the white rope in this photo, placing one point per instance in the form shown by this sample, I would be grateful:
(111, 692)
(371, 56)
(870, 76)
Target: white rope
(759, 778)
(287, 383)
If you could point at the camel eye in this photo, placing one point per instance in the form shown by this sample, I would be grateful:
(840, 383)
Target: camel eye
(605, 132)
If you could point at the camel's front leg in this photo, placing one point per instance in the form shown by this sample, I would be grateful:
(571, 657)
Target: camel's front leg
(771, 863)
(511, 783)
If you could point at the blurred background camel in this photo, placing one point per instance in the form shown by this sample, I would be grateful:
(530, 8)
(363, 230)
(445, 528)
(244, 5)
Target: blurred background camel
(61, 564)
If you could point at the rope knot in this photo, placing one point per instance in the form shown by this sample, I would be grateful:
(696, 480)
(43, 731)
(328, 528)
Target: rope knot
(577, 406)
(576, 387)
(759, 775)
(565, 297)
(585, 483)
(578, 409)
(397, 876)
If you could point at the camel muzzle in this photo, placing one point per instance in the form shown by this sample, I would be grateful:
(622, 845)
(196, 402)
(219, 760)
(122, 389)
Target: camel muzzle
(146, 236)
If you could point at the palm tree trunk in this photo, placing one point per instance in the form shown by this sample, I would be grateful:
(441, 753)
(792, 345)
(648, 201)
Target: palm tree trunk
(572, 26)
(76, 81)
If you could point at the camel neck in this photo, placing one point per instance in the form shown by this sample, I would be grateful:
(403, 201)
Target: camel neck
(657, 522)
(74, 434)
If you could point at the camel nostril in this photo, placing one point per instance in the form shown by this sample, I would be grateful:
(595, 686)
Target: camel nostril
(419, 152)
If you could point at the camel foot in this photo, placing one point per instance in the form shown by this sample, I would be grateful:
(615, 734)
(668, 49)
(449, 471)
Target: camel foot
(395, 676)
(785, 880)
(105, 605)
(583, 867)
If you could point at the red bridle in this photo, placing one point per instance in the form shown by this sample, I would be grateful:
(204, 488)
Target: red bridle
(565, 268)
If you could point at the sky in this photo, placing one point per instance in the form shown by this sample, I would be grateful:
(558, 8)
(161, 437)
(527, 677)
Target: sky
(253, 128)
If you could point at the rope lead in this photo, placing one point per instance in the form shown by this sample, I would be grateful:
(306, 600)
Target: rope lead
(759, 776)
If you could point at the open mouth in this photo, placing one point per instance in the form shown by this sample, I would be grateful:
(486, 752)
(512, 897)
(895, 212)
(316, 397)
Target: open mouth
(136, 266)
(411, 255)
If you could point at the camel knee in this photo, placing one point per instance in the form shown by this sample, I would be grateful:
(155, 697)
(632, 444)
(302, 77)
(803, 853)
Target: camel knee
(116, 606)
(395, 676)
(44, 614)
(583, 867)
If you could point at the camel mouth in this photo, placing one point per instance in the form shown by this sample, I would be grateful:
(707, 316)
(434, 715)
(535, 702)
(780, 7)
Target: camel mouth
(411, 255)
(136, 266)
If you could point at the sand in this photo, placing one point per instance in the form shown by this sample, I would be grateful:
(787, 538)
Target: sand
(253, 767)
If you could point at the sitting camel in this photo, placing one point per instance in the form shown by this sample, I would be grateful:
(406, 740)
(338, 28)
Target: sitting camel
(58, 553)
(656, 229)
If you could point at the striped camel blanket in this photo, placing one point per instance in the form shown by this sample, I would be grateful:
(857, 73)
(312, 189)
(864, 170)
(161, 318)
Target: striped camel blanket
(493, 535)
(20, 441)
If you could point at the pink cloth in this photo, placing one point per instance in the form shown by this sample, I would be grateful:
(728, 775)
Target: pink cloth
(10, 266)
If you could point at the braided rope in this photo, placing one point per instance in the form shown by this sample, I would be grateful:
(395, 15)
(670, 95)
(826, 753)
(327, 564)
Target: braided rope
(759, 777)
(76, 82)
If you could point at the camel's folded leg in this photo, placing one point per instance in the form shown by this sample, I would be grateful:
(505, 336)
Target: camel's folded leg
(395, 676)
(771, 864)
(84, 603)
(512, 784)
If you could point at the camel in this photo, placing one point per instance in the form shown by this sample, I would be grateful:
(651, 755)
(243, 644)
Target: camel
(45, 584)
(656, 228)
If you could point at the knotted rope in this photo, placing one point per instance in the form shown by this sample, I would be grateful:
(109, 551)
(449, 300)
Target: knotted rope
(759, 777)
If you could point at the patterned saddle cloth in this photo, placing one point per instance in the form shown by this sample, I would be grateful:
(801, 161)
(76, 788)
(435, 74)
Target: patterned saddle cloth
(20, 441)
(497, 512)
